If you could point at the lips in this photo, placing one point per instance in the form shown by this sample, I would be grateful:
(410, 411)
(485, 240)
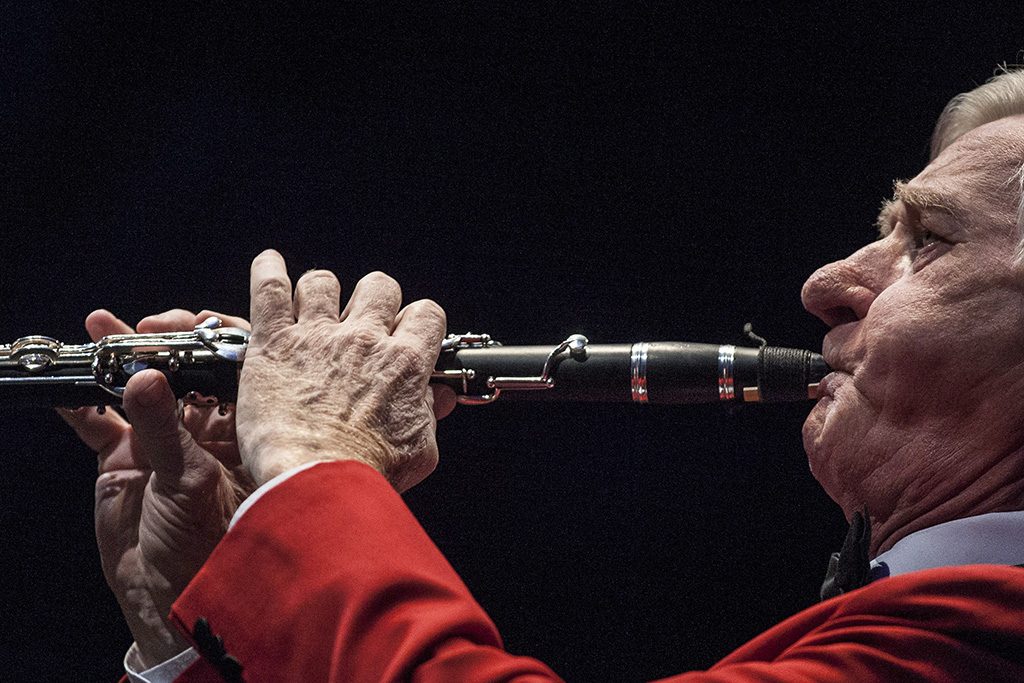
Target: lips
(843, 347)
(831, 382)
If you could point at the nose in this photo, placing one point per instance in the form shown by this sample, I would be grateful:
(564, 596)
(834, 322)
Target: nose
(843, 291)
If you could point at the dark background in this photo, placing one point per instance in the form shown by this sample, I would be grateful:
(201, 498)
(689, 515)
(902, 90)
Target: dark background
(657, 172)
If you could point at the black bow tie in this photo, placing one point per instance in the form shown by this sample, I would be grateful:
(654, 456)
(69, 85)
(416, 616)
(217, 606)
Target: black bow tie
(850, 568)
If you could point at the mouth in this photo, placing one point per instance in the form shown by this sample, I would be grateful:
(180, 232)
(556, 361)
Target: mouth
(831, 382)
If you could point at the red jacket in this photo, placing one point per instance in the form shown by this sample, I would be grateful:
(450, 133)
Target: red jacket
(329, 577)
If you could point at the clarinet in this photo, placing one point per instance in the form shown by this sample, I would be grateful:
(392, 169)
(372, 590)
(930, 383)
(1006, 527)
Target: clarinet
(202, 367)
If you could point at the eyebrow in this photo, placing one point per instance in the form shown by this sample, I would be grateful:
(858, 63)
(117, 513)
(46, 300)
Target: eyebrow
(919, 198)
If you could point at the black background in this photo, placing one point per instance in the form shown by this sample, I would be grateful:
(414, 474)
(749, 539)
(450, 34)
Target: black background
(651, 171)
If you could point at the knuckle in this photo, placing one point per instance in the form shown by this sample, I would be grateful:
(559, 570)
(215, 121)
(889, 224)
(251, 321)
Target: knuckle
(363, 336)
(416, 355)
(273, 287)
(318, 277)
(176, 313)
(380, 280)
(432, 311)
(409, 360)
(207, 313)
(235, 321)
(201, 477)
(433, 307)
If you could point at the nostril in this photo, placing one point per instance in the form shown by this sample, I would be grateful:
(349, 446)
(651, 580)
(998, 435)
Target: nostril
(837, 315)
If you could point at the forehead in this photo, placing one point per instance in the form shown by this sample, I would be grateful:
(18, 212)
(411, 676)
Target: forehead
(973, 175)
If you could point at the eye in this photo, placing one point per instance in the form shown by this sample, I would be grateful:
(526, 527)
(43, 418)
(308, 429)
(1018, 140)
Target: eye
(923, 237)
(925, 246)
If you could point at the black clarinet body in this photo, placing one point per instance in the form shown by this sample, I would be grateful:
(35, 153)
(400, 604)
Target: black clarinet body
(642, 372)
(202, 367)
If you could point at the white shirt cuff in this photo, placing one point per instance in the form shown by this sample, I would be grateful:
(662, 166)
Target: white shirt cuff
(165, 672)
(259, 493)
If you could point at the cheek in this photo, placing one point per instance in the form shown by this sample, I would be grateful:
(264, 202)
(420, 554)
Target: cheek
(933, 344)
(834, 424)
(924, 318)
(896, 337)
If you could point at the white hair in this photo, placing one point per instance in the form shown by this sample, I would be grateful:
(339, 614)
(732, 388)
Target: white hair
(999, 97)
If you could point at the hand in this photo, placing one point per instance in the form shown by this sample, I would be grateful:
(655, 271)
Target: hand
(319, 385)
(168, 485)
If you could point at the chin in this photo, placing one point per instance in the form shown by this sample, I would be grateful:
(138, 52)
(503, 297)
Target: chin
(814, 429)
(820, 448)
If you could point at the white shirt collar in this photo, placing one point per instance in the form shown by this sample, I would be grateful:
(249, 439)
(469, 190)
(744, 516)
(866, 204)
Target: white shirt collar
(992, 538)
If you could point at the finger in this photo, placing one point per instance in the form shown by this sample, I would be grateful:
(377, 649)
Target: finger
(270, 296)
(317, 296)
(101, 323)
(174, 320)
(444, 400)
(160, 436)
(214, 432)
(375, 300)
(96, 431)
(119, 496)
(422, 324)
(224, 450)
(225, 320)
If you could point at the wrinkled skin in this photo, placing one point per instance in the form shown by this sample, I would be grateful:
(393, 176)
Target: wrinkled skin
(320, 383)
(168, 485)
(921, 420)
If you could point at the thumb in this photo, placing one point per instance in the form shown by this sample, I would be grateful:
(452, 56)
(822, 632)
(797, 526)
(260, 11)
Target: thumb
(160, 437)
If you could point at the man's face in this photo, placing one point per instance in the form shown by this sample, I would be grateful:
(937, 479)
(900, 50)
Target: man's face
(927, 340)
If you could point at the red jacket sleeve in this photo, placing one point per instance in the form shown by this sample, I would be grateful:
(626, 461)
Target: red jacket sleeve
(329, 577)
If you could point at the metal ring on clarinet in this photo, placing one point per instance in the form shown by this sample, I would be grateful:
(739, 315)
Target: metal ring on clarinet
(726, 383)
(638, 371)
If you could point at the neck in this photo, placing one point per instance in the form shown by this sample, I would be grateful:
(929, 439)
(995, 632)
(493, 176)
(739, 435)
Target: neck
(998, 488)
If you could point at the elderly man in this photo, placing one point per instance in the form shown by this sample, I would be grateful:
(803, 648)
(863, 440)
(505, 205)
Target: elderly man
(325, 575)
